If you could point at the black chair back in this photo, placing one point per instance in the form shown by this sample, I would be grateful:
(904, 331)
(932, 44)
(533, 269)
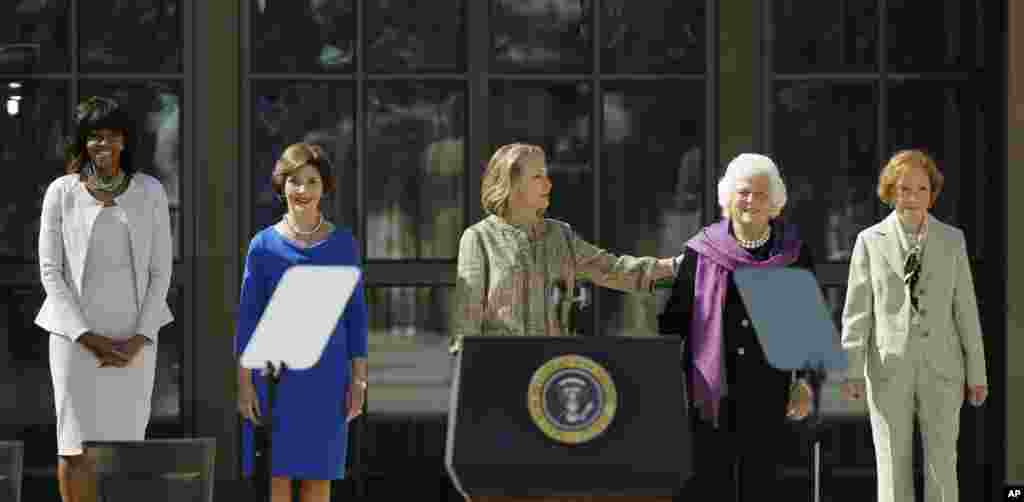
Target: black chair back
(153, 470)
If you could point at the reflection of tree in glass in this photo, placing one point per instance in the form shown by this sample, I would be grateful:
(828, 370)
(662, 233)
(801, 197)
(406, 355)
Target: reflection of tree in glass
(33, 36)
(541, 31)
(816, 34)
(653, 213)
(294, 36)
(164, 123)
(33, 146)
(651, 35)
(415, 34)
(825, 139)
(154, 23)
(417, 153)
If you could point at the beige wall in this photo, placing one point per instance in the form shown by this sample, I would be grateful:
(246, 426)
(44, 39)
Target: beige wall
(1015, 242)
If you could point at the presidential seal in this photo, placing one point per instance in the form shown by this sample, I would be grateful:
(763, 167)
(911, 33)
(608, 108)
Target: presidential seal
(572, 399)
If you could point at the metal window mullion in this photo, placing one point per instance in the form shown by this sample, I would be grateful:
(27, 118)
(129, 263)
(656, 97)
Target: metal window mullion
(73, 90)
(596, 127)
(129, 76)
(869, 76)
(882, 120)
(549, 77)
(362, 126)
(246, 175)
(187, 231)
(829, 76)
(768, 77)
(478, 44)
(573, 77)
(38, 76)
(415, 76)
(711, 110)
(301, 76)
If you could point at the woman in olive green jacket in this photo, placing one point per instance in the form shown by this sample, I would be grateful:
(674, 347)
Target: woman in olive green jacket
(517, 270)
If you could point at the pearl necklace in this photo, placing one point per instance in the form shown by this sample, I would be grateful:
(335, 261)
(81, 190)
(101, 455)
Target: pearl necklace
(754, 244)
(300, 232)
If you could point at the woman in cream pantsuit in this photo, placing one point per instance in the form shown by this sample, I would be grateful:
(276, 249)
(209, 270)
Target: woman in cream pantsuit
(105, 262)
(911, 332)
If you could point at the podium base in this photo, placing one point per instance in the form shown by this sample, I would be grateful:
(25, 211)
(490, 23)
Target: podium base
(581, 498)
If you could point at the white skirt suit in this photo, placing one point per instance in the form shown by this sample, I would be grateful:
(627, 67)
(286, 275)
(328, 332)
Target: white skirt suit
(105, 270)
(913, 367)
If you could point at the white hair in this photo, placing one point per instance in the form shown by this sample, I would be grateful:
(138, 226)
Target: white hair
(744, 167)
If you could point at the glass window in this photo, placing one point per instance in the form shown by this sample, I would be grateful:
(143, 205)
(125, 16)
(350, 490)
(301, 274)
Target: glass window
(157, 150)
(34, 37)
(25, 384)
(541, 35)
(170, 355)
(415, 188)
(130, 36)
(410, 369)
(291, 112)
(415, 35)
(940, 119)
(652, 185)
(305, 36)
(33, 123)
(832, 402)
(825, 148)
(825, 36)
(653, 36)
(556, 117)
(932, 36)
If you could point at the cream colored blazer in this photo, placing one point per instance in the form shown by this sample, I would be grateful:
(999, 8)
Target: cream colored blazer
(69, 212)
(876, 317)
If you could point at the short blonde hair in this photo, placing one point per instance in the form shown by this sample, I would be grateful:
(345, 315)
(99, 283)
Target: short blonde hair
(898, 164)
(746, 166)
(296, 156)
(502, 173)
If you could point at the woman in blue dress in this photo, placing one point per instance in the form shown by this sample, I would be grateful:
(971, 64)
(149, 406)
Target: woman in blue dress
(313, 406)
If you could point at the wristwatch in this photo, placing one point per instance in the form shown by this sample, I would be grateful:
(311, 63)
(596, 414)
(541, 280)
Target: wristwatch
(361, 383)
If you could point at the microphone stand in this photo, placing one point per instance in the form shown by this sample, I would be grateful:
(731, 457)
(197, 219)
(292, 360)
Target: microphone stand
(264, 448)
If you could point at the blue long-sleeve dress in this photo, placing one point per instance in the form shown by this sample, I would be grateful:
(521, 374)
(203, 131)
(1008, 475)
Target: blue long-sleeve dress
(309, 432)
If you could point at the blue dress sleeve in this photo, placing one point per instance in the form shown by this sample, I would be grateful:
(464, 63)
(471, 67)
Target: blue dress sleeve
(253, 298)
(356, 317)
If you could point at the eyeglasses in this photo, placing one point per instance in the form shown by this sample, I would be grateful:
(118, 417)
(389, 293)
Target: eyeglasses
(912, 273)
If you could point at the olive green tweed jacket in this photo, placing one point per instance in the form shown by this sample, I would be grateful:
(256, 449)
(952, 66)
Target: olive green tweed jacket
(508, 285)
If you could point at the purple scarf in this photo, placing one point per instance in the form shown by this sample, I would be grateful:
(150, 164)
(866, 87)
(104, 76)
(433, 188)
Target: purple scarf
(718, 254)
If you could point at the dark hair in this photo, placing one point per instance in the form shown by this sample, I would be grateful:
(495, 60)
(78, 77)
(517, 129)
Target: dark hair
(91, 115)
(296, 156)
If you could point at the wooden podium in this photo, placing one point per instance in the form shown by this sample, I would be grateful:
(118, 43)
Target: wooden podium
(567, 419)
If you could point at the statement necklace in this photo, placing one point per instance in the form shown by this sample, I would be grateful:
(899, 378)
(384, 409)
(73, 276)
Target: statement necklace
(300, 232)
(754, 244)
(112, 185)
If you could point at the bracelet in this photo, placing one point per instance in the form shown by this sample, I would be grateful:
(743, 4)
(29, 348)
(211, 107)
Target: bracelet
(361, 382)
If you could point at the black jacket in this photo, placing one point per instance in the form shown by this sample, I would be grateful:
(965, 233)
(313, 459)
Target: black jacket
(737, 330)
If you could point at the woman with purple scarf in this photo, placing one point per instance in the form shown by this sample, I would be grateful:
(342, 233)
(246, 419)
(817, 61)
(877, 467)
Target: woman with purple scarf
(740, 401)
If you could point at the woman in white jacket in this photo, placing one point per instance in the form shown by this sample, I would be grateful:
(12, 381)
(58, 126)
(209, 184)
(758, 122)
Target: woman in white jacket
(105, 257)
(912, 333)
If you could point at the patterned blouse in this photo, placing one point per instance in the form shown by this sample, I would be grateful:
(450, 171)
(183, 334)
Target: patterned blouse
(508, 285)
